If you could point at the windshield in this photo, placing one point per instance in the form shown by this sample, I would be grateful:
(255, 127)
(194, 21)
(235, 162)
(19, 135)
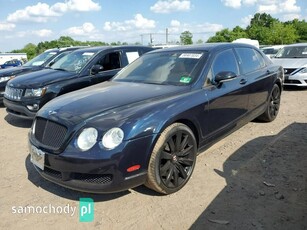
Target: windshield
(292, 52)
(269, 50)
(173, 68)
(41, 59)
(73, 62)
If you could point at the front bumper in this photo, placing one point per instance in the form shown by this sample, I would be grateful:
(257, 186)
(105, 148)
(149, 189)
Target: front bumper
(2, 90)
(296, 80)
(17, 109)
(102, 172)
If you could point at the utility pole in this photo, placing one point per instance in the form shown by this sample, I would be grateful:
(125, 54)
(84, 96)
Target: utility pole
(166, 36)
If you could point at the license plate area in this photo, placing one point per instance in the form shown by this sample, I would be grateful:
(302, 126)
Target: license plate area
(37, 157)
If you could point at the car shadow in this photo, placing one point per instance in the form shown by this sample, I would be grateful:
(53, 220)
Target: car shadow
(58, 190)
(266, 185)
(18, 122)
(146, 191)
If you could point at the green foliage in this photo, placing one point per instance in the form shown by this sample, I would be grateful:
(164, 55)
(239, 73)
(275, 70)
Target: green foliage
(301, 28)
(29, 49)
(199, 41)
(282, 34)
(267, 30)
(227, 35)
(186, 38)
(262, 20)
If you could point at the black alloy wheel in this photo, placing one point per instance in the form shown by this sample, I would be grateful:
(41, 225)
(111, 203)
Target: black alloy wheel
(173, 159)
(273, 105)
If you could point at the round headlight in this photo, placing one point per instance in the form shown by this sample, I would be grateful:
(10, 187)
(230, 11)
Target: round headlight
(87, 139)
(113, 138)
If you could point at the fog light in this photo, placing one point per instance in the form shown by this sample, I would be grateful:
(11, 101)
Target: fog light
(33, 107)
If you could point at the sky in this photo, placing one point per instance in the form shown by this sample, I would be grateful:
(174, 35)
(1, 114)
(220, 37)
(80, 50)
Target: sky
(29, 21)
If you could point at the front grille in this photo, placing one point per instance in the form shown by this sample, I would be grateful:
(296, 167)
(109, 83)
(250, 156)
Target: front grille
(49, 133)
(13, 93)
(87, 178)
(292, 81)
(53, 173)
(94, 178)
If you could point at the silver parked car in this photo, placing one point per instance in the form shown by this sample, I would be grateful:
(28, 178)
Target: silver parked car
(293, 58)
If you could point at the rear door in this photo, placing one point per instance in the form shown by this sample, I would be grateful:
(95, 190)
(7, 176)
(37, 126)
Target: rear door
(253, 67)
(227, 100)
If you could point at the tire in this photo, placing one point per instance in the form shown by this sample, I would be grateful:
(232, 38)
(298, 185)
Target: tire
(171, 164)
(273, 105)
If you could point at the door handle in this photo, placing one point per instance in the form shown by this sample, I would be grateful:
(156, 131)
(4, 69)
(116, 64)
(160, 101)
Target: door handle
(243, 81)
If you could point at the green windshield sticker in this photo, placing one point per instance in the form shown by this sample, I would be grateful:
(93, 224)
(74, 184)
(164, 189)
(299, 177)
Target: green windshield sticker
(185, 79)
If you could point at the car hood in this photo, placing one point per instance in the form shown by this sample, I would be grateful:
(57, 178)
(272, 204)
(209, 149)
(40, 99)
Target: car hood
(40, 78)
(14, 71)
(78, 106)
(292, 63)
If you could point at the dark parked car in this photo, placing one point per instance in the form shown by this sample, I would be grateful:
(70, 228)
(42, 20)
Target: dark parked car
(149, 122)
(11, 63)
(25, 95)
(45, 59)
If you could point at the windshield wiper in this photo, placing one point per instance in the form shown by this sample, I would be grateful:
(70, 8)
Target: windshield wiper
(61, 69)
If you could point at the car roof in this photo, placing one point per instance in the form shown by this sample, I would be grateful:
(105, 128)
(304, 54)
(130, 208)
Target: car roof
(60, 49)
(95, 48)
(272, 47)
(205, 47)
(297, 44)
(100, 48)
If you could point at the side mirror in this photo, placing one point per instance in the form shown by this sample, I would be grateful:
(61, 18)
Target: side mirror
(51, 63)
(96, 69)
(224, 76)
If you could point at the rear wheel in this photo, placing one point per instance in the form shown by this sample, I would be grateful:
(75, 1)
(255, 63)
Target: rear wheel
(172, 160)
(273, 105)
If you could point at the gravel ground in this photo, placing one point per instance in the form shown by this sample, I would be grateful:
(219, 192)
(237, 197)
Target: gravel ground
(253, 179)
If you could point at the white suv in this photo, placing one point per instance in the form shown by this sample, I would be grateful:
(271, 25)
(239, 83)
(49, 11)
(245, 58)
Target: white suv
(293, 58)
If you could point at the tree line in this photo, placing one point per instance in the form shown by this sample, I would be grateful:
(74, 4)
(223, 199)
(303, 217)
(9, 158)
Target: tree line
(33, 50)
(267, 30)
(264, 28)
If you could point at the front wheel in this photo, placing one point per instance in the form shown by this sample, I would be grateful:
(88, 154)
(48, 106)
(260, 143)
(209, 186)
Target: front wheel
(172, 160)
(273, 105)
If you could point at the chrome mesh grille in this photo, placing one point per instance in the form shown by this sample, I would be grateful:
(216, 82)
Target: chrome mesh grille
(49, 133)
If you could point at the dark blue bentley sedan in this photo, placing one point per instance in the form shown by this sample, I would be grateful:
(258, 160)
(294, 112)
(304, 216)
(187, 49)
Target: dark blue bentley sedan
(146, 125)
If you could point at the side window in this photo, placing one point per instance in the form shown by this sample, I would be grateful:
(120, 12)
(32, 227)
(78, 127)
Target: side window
(225, 61)
(260, 59)
(110, 61)
(249, 60)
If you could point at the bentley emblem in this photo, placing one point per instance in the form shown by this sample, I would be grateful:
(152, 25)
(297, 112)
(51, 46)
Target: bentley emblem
(52, 112)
